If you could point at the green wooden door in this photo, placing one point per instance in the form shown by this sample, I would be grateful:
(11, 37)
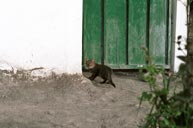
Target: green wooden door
(115, 30)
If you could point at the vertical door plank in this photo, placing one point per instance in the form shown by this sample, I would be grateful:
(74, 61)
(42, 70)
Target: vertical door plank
(157, 31)
(92, 30)
(115, 32)
(137, 31)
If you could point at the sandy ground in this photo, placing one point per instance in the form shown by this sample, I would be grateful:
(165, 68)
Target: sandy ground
(71, 102)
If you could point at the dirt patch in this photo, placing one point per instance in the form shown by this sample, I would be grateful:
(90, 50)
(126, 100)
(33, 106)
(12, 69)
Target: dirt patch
(70, 101)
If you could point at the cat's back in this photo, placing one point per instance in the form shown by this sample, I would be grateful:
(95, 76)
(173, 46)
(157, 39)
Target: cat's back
(103, 69)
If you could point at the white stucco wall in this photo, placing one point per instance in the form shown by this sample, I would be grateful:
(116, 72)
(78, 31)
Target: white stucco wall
(46, 33)
(181, 29)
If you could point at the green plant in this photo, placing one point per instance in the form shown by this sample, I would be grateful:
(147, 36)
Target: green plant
(157, 95)
(168, 109)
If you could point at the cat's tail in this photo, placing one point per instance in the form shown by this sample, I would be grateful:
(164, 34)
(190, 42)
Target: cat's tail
(111, 82)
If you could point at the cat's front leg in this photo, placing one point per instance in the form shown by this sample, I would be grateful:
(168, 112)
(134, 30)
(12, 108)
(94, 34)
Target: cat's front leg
(93, 76)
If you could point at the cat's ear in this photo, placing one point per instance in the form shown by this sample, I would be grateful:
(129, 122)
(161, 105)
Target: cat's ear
(86, 59)
(93, 61)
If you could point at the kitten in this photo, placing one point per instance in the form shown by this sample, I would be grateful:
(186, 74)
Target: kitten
(103, 71)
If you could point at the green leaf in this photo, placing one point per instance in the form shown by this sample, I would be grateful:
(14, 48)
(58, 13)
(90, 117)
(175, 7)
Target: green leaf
(178, 113)
(179, 37)
(182, 58)
(178, 42)
(146, 96)
(179, 48)
(182, 69)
